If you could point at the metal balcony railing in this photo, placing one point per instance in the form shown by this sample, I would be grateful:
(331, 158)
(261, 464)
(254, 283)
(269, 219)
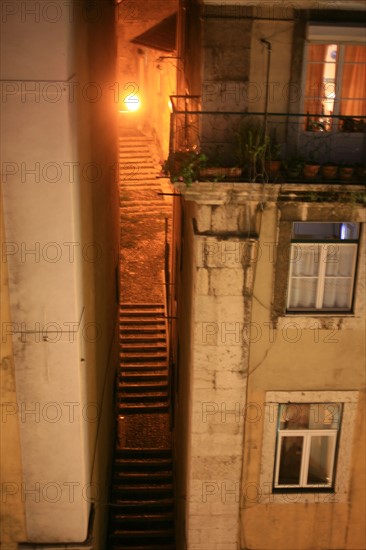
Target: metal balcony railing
(224, 137)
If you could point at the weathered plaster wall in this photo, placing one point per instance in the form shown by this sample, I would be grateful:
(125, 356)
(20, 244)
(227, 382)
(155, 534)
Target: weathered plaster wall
(62, 239)
(12, 520)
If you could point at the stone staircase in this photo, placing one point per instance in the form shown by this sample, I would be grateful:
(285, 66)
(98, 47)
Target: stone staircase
(143, 376)
(138, 173)
(142, 515)
(141, 504)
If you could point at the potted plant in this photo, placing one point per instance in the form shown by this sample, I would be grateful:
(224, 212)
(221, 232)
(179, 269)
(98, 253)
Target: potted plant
(346, 172)
(215, 170)
(272, 161)
(184, 165)
(311, 168)
(293, 166)
(251, 148)
(329, 171)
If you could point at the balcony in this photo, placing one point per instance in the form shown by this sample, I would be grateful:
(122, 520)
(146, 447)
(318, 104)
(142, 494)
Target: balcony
(233, 146)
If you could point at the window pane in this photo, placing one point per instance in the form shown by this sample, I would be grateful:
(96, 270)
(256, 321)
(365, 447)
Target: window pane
(293, 416)
(340, 260)
(357, 73)
(318, 52)
(303, 293)
(305, 260)
(290, 460)
(353, 92)
(337, 293)
(354, 53)
(321, 460)
(325, 230)
(324, 416)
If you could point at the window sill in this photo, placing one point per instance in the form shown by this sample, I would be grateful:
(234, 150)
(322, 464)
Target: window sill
(318, 321)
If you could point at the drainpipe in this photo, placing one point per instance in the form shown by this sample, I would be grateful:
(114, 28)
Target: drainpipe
(269, 50)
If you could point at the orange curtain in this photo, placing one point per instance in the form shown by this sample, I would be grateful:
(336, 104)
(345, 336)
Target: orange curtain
(314, 92)
(353, 94)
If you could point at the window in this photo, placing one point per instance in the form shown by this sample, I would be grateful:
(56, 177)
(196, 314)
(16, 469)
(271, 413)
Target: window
(322, 266)
(306, 445)
(335, 79)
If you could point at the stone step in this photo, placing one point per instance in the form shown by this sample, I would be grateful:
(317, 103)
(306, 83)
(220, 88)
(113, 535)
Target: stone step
(143, 206)
(164, 490)
(143, 465)
(143, 408)
(150, 339)
(140, 306)
(147, 478)
(129, 138)
(137, 358)
(140, 317)
(145, 323)
(142, 167)
(142, 331)
(158, 537)
(143, 522)
(134, 149)
(142, 385)
(153, 396)
(145, 506)
(137, 213)
(142, 378)
(147, 453)
(143, 367)
(135, 185)
(143, 348)
(139, 181)
(142, 546)
(150, 313)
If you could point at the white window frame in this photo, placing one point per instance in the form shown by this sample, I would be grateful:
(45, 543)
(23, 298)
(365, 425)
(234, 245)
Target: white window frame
(327, 254)
(305, 456)
(321, 276)
(342, 466)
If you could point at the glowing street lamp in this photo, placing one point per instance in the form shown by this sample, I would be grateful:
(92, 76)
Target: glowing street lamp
(132, 104)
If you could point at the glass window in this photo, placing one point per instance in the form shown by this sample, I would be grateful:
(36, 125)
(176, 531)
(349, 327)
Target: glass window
(322, 266)
(335, 84)
(306, 444)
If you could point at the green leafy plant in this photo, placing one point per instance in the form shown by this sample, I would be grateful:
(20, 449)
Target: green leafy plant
(184, 165)
(294, 166)
(252, 143)
(273, 149)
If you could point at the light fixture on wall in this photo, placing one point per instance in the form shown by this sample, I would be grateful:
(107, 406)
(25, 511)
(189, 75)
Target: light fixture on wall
(132, 104)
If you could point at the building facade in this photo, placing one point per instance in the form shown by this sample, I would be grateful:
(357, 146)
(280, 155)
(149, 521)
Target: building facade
(59, 268)
(267, 302)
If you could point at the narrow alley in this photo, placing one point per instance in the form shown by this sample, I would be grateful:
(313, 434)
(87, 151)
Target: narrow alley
(142, 489)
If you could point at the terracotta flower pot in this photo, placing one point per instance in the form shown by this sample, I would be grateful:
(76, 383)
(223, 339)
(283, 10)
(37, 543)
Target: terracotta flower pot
(329, 171)
(346, 173)
(220, 172)
(272, 168)
(311, 171)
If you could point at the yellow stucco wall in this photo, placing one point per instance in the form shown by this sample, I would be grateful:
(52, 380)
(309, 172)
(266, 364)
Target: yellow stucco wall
(297, 356)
